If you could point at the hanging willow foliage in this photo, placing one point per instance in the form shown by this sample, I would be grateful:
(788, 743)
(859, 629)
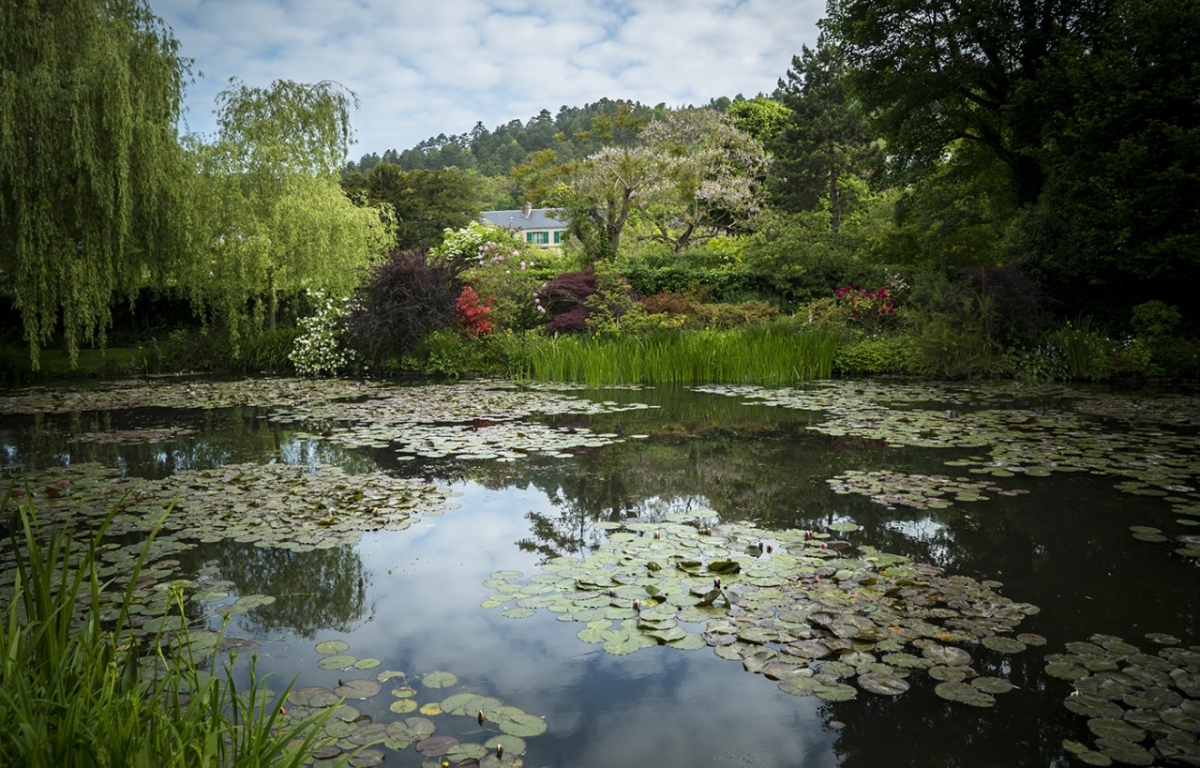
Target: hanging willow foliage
(275, 221)
(92, 175)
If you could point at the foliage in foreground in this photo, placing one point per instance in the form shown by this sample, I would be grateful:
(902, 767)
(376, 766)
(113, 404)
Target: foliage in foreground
(76, 693)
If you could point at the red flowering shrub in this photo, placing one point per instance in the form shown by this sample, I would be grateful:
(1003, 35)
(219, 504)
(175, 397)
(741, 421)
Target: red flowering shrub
(869, 308)
(471, 313)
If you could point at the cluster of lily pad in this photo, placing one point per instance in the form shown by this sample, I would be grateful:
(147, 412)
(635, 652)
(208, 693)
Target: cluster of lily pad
(167, 393)
(144, 436)
(474, 420)
(271, 505)
(1141, 707)
(499, 730)
(918, 491)
(794, 605)
(1034, 442)
(275, 505)
(1190, 542)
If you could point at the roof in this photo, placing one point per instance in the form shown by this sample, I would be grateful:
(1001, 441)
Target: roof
(539, 218)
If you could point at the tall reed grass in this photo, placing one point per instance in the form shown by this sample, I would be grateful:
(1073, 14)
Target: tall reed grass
(767, 355)
(75, 691)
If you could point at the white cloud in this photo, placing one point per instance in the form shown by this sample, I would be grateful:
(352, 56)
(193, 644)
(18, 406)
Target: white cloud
(420, 69)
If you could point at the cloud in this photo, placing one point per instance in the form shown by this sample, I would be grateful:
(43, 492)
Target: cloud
(420, 69)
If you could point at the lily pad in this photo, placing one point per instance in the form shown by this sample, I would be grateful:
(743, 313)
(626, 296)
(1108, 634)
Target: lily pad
(439, 680)
(965, 694)
(358, 689)
(332, 647)
(341, 661)
(884, 685)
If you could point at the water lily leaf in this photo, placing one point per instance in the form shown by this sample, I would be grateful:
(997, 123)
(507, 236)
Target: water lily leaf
(884, 685)
(466, 752)
(436, 746)
(799, 686)
(431, 709)
(965, 694)
(367, 758)
(439, 680)
(367, 663)
(1129, 754)
(358, 689)
(341, 661)
(383, 677)
(1093, 706)
(1107, 728)
(344, 712)
(524, 726)
(368, 733)
(992, 685)
(839, 692)
(411, 729)
(519, 613)
(403, 706)
(1003, 644)
(947, 655)
(339, 729)
(691, 641)
(513, 745)
(322, 700)
(332, 647)
(951, 674)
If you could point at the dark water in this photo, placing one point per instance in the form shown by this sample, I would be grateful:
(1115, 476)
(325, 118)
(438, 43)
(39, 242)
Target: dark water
(412, 598)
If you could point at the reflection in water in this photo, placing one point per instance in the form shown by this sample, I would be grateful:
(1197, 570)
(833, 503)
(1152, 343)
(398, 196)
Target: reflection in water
(218, 437)
(322, 590)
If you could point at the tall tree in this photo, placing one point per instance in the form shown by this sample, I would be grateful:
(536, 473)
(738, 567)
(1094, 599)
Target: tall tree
(935, 72)
(1119, 219)
(277, 221)
(825, 138)
(90, 163)
(761, 117)
(423, 204)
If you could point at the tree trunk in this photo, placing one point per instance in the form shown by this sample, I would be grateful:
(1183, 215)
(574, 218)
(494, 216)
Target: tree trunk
(271, 301)
(835, 198)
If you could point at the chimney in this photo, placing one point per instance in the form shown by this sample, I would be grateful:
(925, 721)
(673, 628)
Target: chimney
(526, 210)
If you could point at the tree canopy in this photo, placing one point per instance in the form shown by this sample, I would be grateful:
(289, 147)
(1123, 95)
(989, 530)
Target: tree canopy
(421, 204)
(90, 162)
(276, 219)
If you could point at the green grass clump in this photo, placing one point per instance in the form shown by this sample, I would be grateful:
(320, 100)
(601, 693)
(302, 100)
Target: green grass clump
(83, 691)
(770, 355)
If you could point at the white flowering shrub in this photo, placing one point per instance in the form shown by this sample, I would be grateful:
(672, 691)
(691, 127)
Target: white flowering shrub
(321, 347)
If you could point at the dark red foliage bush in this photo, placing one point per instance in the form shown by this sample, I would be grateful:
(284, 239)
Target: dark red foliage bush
(405, 299)
(1017, 303)
(564, 299)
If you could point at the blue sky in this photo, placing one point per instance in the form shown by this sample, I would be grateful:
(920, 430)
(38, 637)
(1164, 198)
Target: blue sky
(439, 66)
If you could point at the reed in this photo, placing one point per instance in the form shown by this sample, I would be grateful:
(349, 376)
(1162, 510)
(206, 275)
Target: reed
(74, 692)
(767, 355)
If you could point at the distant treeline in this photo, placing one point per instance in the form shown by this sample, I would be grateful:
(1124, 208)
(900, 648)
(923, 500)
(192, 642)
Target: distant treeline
(497, 152)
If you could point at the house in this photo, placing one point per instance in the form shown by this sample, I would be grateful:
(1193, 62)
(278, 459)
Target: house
(538, 224)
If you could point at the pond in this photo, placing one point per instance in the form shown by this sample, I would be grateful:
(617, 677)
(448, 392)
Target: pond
(849, 574)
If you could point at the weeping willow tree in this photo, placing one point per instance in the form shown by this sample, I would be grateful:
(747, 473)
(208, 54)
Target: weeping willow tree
(274, 218)
(92, 174)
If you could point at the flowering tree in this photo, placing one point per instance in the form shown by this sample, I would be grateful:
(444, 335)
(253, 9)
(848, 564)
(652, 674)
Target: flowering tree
(710, 175)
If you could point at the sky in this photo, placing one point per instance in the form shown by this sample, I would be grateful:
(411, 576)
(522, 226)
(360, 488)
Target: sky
(420, 69)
